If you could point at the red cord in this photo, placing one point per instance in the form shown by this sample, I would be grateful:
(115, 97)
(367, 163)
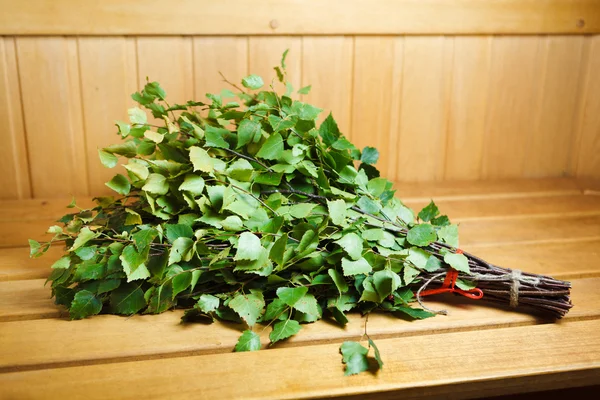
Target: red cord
(449, 286)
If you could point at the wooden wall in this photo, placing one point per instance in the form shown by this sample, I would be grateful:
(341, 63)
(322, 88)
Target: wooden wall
(438, 107)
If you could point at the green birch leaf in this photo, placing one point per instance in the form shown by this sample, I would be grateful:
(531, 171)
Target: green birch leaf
(339, 280)
(421, 235)
(290, 296)
(107, 159)
(272, 148)
(360, 266)
(377, 354)
(354, 355)
(156, 184)
(277, 252)
(62, 263)
(85, 235)
(329, 131)
(134, 263)
(143, 238)
(352, 245)
(337, 211)
(369, 155)
(84, 304)
(248, 247)
(86, 253)
(275, 310)
(429, 212)
(181, 282)
(208, 303)
(247, 131)
(137, 116)
(449, 235)
(214, 137)
(154, 136)
(181, 250)
(193, 184)
(457, 261)
(301, 210)
(414, 313)
(249, 341)
(284, 329)
(119, 184)
(137, 169)
(201, 160)
(307, 304)
(253, 82)
(127, 299)
(248, 306)
(305, 90)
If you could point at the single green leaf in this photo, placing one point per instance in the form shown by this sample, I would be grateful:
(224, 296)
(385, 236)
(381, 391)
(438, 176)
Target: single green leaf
(449, 235)
(457, 261)
(248, 247)
(107, 159)
(134, 263)
(290, 296)
(415, 313)
(248, 306)
(272, 148)
(301, 210)
(429, 212)
(207, 303)
(329, 131)
(253, 82)
(143, 238)
(421, 235)
(249, 341)
(284, 329)
(360, 266)
(377, 354)
(181, 282)
(369, 155)
(181, 250)
(119, 184)
(337, 211)
(308, 305)
(352, 245)
(62, 263)
(305, 90)
(201, 160)
(84, 304)
(156, 184)
(154, 136)
(214, 137)
(84, 236)
(275, 310)
(247, 131)
(277, 252)
(174, 231)
(354, 355)
(339, 280)
(137, 116)
(127, 299)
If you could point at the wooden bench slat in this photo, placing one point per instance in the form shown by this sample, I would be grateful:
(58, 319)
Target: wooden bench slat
(29, 299)
(27, 344)
(457, 364)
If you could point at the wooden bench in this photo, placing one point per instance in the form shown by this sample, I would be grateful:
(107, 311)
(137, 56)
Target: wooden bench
(549, 226)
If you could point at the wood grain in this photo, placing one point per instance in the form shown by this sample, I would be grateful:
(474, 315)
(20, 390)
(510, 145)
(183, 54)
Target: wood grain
(26, 344)
(108, 78)
(411, 364)
(22, 300)
(588, 151)
(113, 17)
(227, 55)
(14, 163)
(50, 87)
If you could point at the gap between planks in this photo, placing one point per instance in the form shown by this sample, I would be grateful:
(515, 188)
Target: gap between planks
(28, 345)
(505, 360)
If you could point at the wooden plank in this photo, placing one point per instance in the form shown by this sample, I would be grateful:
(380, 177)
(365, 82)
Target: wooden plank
(588, 153)
(15, 180)
(25, 343)
(327, 64)
(228, 55)
(377, 70)
(38, 209)
(467, 108)
(108, 78)
(167, 60)
(552, 138)
(514, 85)
(49, 76)
(22, 300)
(414, 366)
(15, 263)
(264, 53)
(113, 17)
(421, 146)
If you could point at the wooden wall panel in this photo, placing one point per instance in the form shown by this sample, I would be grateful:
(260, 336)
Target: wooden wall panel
(167, 60)
(550, 142)
(14, 181)
(327, 65)
(214, 55)
(467, 104)
(49, 76)
(588, 151)
(265, 53)
(426, 76)
(108, 78)
(514, 86)
(377, 70)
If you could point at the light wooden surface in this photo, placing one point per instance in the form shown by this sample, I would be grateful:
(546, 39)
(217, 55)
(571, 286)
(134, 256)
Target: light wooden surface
(38, 17)
(549, 226)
